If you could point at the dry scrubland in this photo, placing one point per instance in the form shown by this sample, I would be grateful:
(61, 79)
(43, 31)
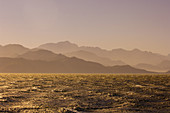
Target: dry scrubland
(84, 93)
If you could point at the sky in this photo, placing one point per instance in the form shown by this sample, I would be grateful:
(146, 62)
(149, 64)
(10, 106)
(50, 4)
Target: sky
(109, 24)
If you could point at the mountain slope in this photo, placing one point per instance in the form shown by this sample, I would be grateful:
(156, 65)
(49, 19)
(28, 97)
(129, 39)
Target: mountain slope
(150, 67)
(88, 56)
(161, 67)
(68, 65)
(132, 57)
(60, 47)
(164, 65)
(44, 55)
(12, 50)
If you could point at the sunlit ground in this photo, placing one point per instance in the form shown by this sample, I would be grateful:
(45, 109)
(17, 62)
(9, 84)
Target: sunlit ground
(84, 93)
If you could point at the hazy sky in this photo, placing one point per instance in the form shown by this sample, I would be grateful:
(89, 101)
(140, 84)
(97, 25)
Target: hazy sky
(129, 24)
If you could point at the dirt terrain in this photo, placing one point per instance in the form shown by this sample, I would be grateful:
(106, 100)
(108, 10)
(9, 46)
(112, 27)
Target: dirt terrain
(83, 93)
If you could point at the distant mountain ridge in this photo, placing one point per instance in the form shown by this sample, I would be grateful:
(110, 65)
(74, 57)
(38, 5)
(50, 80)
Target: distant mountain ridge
(43, 55)
(60, 47)
(132, 57)
(60, 64)
(139, 59)
(149, 67)
(162, 67)
(88, 56)
(12, 50)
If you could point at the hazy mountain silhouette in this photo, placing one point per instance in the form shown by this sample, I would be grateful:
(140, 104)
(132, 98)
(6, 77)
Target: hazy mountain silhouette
(132, 57)
(139, 59)
(44, 55)
(37, 62)
(12, 50)
(163, 66)
(88, 56)
(60, 47)
(149, 67)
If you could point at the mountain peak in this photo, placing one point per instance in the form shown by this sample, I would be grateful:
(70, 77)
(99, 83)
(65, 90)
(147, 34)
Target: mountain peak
(119, 50)
(41, 55)
(14, 45)
(12, 50)
(60, 47)
(65, 43)
(136, 50)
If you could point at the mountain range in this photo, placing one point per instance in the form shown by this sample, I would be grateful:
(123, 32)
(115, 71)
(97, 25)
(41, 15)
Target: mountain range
(88, 56)
(131, 57)
(161, 67)
(44, 61)
(137, 58)
(69, 57)
(12, 50)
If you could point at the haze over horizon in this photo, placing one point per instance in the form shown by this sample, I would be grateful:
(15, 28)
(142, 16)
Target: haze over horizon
(109, 24)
